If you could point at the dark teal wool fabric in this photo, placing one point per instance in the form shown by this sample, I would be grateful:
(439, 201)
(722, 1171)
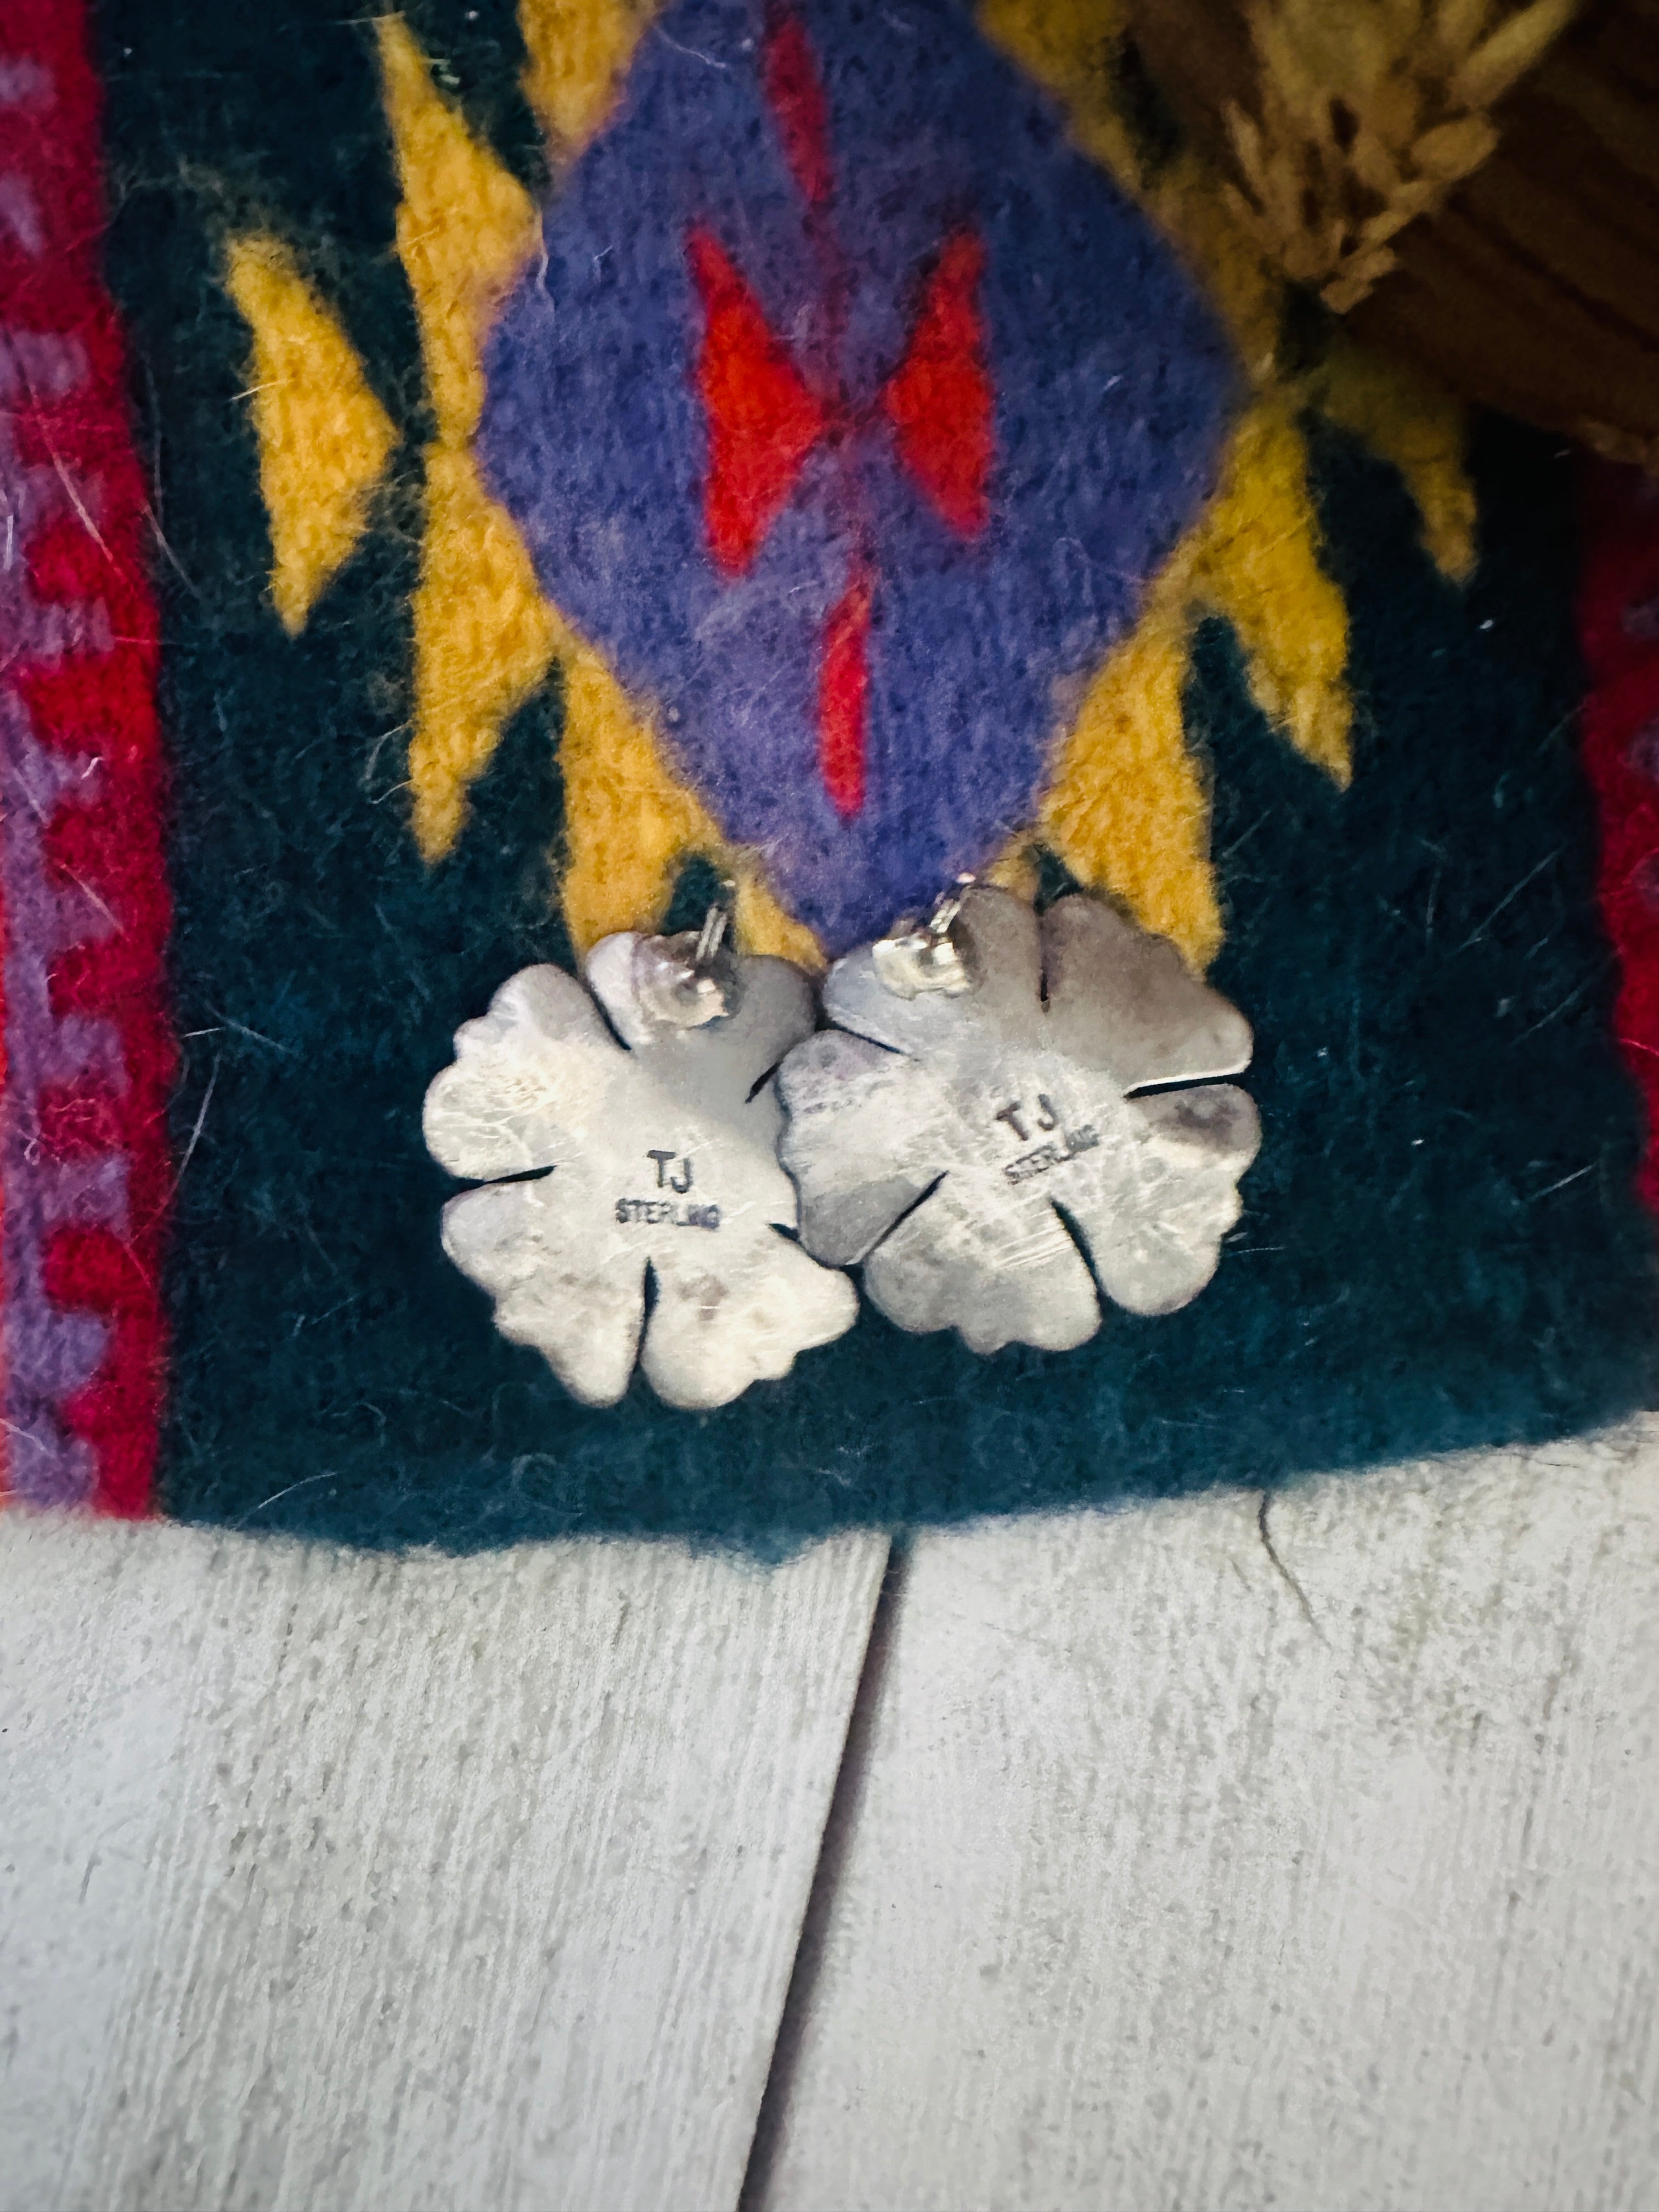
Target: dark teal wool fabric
(1440, 1247)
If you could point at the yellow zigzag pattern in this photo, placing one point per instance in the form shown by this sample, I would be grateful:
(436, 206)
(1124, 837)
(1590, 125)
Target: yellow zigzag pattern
(484, 636)
(578, 51)
(1127, 809)
(323, 437)
(1127, 812)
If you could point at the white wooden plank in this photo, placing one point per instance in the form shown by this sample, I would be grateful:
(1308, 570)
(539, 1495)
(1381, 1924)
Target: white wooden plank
(356, 1883)
(1175, 1887)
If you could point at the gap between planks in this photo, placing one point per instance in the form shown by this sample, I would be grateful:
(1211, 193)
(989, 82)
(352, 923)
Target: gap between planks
(421, 1882)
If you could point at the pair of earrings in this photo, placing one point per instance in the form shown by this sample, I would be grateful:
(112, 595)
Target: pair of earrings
(1008, 1118)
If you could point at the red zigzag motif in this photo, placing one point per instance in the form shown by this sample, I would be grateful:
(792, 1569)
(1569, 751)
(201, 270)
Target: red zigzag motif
(764, 420)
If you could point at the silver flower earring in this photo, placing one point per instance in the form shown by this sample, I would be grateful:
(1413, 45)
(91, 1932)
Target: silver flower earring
(597, 1160)
(992, 1127)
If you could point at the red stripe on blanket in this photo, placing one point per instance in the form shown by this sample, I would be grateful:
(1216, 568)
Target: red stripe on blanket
(1619, 628)
(80, 859)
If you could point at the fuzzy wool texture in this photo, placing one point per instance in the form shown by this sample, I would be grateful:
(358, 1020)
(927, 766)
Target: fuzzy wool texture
(825, 295)
(483, 636)
(1128, 810)
(479, 652)
(85, 1058)
(1252, 556)
(1619, 630)
(1440, 1246)
(323, 437)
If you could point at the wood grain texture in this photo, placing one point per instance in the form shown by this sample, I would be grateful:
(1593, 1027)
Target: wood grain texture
(1536, 288)
(363, 1883)
(1192, 1872)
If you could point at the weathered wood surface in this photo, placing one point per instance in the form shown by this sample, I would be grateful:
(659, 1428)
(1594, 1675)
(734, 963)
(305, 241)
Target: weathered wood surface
(1179, 1871)
(1184, 1878)
(419, 1885)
